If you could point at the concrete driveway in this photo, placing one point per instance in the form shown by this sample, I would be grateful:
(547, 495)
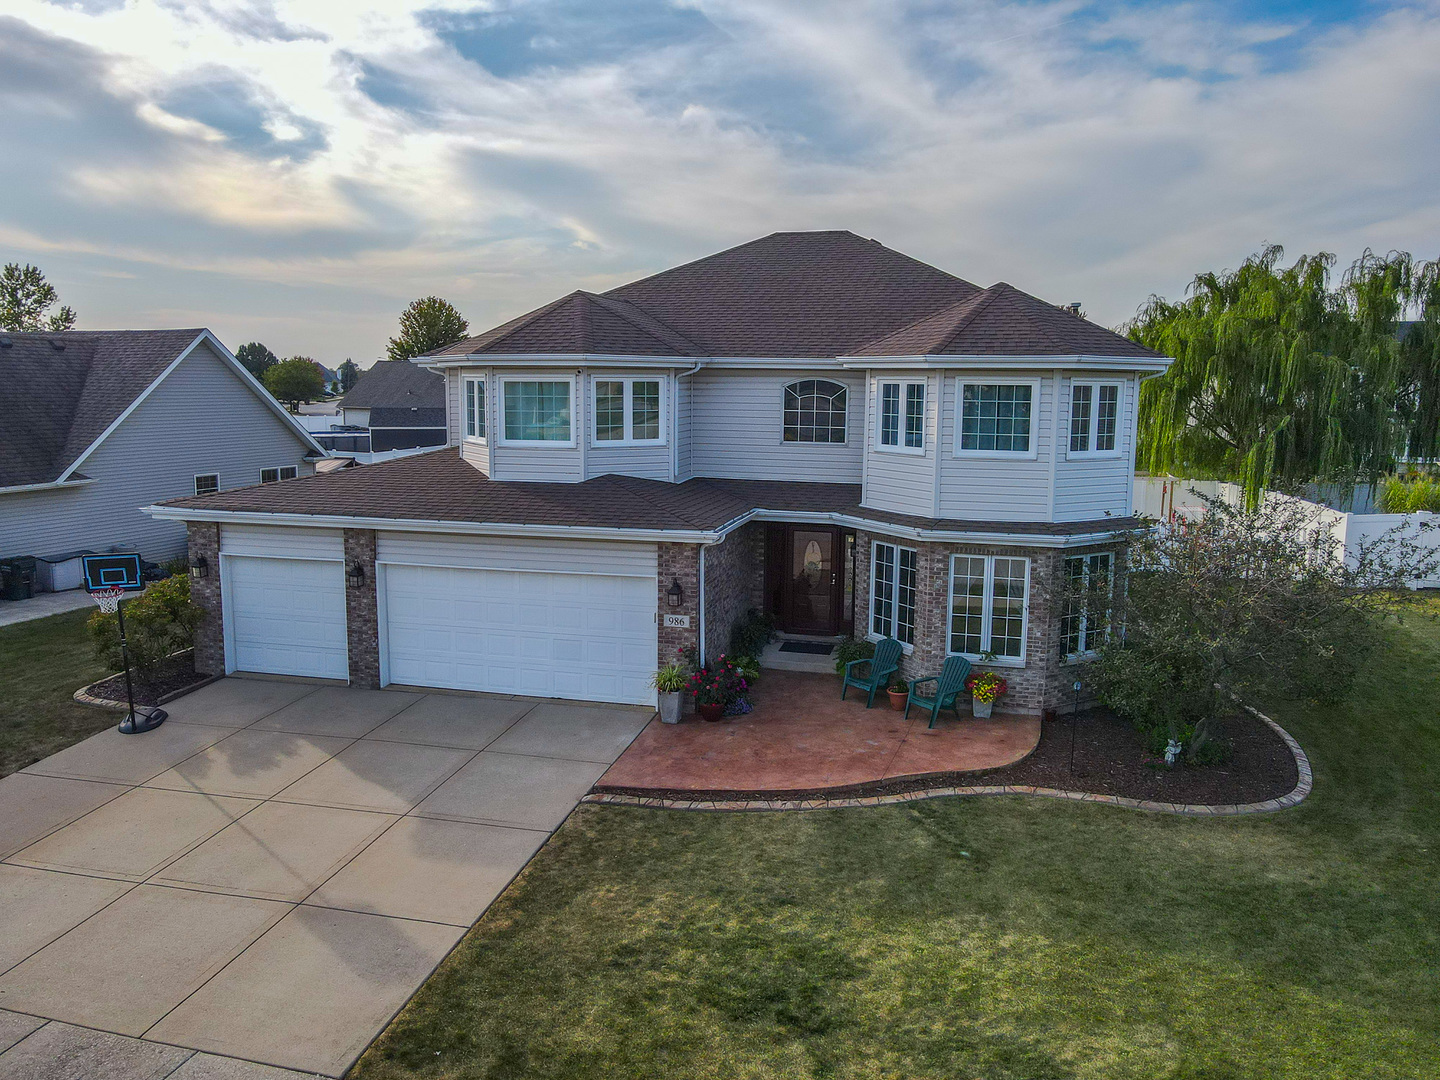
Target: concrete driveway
(273, 873)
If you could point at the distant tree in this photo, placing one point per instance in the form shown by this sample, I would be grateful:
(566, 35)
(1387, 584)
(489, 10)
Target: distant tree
(1281, 378)
(256, 358)
(427, 324)
(349, 375)
(295, 380)
(25, 297)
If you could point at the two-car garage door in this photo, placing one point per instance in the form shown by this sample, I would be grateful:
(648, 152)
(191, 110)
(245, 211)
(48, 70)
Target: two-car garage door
(571, 619)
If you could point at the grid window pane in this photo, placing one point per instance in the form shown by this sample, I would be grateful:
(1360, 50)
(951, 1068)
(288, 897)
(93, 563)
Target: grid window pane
(1107, 419)
(995, 418)
(645, 409)
(915, 414)
(1072, 623)
(537, 411)
(1086, 621)
(207, 484)
(967, 604)
(1081, 398)
(269, 476)
(1007, 608)
(815, 411)
(889, 414)
(905, 597)
(609, 411)
(882, 592)
(475, 408)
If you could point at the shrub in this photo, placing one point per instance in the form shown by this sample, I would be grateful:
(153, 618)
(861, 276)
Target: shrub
(850, 650)
(718, 682)
(158, 623)
(750, 635)
(1399, 496)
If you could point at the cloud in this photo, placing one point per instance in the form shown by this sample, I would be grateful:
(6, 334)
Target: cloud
(326, 162)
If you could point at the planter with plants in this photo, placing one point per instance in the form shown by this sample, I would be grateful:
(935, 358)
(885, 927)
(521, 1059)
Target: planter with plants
(669, 682)
(985, 687)
(899, 693)
(717, 686)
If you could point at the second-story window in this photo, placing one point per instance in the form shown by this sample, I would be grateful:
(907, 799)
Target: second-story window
(1094, 417)
(537, 412)
(627, 411)
(902, 416)
(475, 408)
(815, 411)
(995, 418)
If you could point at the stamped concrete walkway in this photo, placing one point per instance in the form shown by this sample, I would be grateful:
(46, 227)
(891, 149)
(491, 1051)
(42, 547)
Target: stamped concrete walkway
(802, 737)
(273, 873)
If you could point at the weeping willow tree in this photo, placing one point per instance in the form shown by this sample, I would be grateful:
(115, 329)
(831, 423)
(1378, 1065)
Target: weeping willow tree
(1282, 379)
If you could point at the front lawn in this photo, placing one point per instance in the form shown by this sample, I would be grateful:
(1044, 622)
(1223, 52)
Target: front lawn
(42, 663)
(996, 938)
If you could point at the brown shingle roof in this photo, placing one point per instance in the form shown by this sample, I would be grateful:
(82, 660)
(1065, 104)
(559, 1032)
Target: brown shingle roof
(397, 384)
(439, 486)
(59, 401)
(582, 322)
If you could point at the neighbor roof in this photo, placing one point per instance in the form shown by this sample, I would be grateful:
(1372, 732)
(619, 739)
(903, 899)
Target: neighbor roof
(397, 384)
(440, 486)
(801, 295)
(63, 390)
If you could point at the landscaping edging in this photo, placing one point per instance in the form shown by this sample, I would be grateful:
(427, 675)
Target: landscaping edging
(85, 697)
(1303, 786)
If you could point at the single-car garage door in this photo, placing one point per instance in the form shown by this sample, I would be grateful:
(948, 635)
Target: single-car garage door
(520, 625)
(284, 601)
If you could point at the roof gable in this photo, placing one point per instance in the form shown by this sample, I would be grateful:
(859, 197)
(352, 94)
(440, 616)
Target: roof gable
(582, 322)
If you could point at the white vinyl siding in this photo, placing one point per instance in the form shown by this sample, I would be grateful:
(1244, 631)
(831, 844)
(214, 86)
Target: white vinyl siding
(893, 579)
(155, 455)
(1088, 486)
(989, 606)
(899, 479)
(737, 428)
(996, 487)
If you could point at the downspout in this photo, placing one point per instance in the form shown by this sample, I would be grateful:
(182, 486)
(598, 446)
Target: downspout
(675, 421)
(702, 604)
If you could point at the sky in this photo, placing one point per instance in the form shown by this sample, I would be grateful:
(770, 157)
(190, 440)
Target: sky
(296, 171)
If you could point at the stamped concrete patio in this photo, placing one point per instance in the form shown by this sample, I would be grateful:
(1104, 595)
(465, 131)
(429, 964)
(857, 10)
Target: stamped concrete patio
(271, 874)
(802, 738)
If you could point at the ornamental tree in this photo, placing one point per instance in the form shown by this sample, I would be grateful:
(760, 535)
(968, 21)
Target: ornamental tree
(1248, 601)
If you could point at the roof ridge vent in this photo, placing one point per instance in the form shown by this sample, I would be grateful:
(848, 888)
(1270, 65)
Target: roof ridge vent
(56, 344)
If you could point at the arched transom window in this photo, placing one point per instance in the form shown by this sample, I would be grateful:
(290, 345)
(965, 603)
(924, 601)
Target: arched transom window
(815, 411)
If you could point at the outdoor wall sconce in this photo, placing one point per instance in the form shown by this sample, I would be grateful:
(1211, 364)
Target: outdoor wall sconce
(199, 568)
(356, 576)
(675, 595)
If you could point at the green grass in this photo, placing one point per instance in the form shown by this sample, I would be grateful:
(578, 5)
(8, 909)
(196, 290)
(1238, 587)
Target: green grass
(996, 938)
(42, 663)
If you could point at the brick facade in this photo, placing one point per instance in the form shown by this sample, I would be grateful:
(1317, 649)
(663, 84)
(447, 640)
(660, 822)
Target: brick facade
(362, 615)
(204, 543)
(1045, 680)
(678, 562)
(734, 583)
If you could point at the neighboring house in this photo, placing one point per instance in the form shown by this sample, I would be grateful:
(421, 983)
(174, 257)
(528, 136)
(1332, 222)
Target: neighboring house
(399, 404)
(97, 424)
(810, 424)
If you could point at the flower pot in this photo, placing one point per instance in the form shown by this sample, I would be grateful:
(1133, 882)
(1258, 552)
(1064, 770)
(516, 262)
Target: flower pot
(980, 708)
(898, 698)
(711, 712)
(670, 707)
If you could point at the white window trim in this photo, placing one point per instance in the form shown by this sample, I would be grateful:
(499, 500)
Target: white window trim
(870, 634)
(195, 483)
(987, 611)
(628, 381)
(482, 414)
(279, 473)
(1090, 453)
(548, 444)
(1008, 455)
(849, 395)
(1104, 632)
(901, 448)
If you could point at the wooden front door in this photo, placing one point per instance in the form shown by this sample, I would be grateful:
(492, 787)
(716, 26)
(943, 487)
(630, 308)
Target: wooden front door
(814, 580)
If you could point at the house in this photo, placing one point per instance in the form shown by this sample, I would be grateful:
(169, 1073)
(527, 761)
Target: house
(399, 404)
(98, 424)
(810, 424)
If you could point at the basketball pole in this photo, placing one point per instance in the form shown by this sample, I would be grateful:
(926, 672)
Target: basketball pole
(134, 723)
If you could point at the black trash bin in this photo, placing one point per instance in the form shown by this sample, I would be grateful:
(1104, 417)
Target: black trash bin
(17, 577)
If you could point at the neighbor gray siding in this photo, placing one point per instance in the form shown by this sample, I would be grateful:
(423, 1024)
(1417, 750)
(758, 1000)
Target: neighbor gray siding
(201, 419)
(737, 428)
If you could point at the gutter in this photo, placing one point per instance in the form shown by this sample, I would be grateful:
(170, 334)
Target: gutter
(50, 485)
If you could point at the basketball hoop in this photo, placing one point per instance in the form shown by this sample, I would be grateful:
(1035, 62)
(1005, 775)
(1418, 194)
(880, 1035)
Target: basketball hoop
(108, 600)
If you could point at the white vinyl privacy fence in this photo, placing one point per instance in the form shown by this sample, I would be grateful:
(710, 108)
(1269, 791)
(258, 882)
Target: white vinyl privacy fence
(1166, 497)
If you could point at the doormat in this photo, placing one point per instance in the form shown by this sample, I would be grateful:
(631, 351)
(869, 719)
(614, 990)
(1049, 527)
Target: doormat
(814, 648)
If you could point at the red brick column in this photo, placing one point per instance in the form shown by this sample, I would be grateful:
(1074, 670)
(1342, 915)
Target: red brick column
(362, 618)
(204, 543)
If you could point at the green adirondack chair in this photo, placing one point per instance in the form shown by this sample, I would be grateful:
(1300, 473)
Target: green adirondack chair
(878, 670)
(948, 684)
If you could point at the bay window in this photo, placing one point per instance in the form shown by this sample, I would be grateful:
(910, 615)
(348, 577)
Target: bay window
(627, 412)
(893, 573)
(536, 411)
(901, 423)
(1094, 417)
(989, 605)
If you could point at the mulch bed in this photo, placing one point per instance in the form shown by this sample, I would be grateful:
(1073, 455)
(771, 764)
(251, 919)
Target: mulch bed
(1111, 758)
(168, 679)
